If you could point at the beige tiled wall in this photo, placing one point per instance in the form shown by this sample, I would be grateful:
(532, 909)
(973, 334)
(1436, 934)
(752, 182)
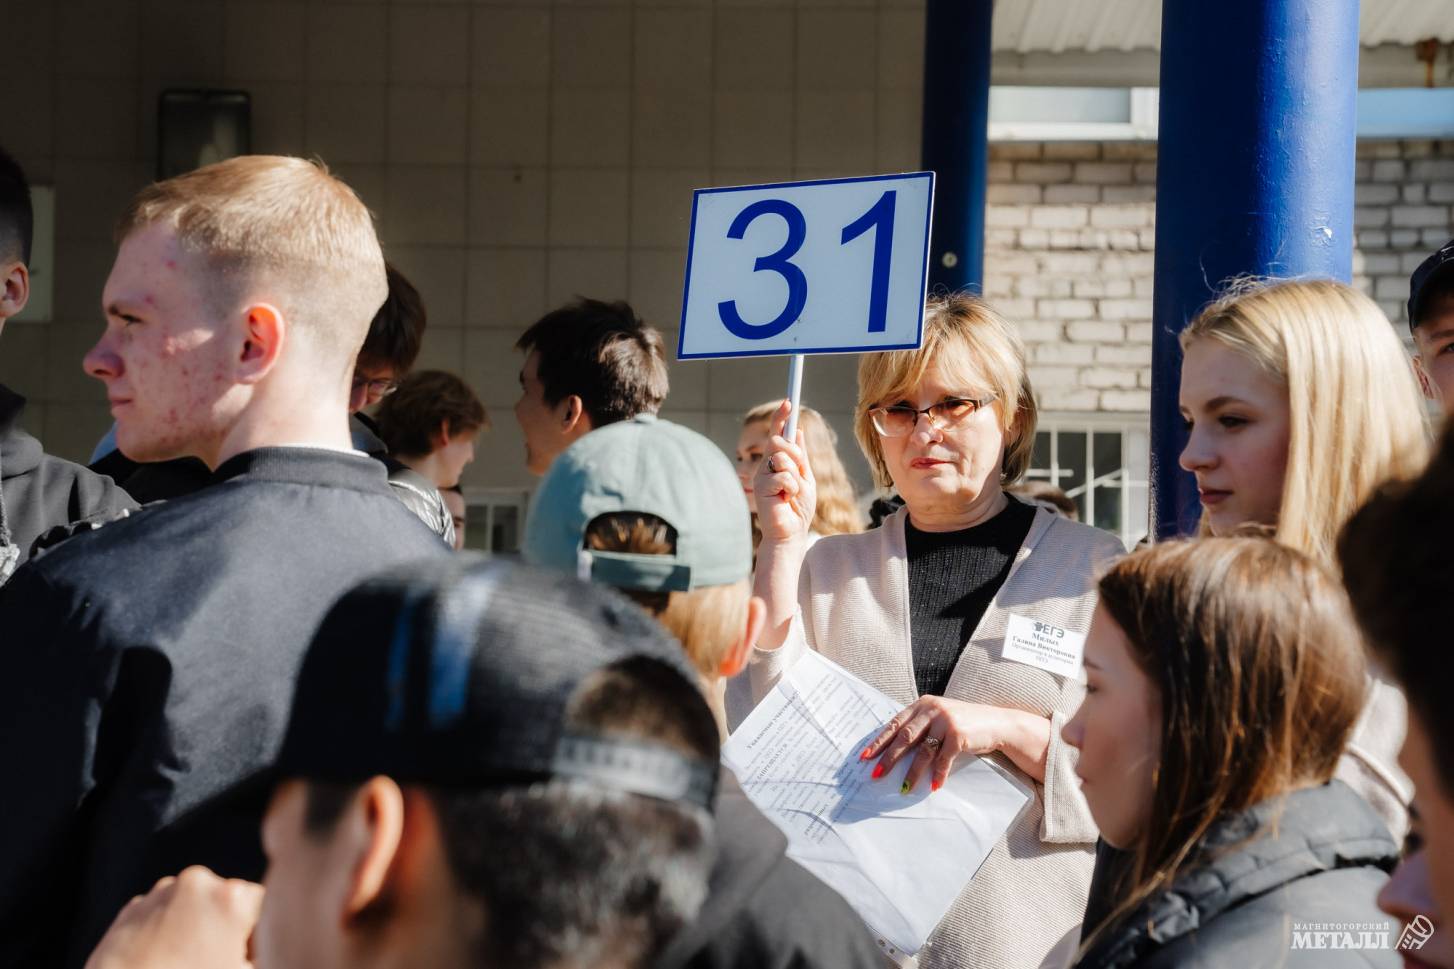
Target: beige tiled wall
(516, 153)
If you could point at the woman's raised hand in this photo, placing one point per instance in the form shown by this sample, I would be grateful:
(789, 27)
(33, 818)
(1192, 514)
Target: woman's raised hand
(787, 496)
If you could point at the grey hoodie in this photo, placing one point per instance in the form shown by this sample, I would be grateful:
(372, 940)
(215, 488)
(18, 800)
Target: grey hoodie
(39, 492)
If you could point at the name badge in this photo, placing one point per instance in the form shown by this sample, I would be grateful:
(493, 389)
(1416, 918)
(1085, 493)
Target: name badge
(1044, 646)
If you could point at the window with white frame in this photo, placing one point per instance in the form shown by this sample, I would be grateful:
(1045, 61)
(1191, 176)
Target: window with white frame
(1046, 113)
(1021, 113)
(1102, 464)
(495, 519)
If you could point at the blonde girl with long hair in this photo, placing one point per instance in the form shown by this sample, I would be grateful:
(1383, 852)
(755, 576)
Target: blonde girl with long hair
(1328, 410)
(837, 512)
(1299, 401)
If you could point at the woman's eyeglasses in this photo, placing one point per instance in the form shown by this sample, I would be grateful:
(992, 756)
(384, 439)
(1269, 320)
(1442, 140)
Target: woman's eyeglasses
(899, 420)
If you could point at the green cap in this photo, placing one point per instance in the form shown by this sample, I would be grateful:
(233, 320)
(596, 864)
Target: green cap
(647, 466)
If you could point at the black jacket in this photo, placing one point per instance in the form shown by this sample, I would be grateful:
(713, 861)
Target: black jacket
(161, 480)
(763, 910)
(39, 492)
(156, 480)
(1324, 861)
(148, 669)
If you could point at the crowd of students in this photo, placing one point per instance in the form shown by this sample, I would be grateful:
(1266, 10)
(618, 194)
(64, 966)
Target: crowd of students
(271, 718)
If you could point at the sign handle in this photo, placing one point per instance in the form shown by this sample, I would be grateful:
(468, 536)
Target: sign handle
(795, 393)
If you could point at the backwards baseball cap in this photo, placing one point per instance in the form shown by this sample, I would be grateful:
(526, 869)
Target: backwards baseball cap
(1438, 266)
(643, 466)
(462, 673)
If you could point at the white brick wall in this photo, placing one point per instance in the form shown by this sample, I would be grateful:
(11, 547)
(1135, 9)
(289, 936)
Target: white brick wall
(1069, 253)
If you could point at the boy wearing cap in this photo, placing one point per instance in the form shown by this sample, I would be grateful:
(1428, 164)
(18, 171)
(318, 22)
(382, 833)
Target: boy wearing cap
(149, 665)
(1431, 317)
(655, 510)
(485, 766)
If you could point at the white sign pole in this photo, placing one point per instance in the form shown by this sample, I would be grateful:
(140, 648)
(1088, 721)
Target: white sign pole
(795, 393)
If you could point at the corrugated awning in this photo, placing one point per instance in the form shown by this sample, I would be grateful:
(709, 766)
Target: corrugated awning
(1057, 26)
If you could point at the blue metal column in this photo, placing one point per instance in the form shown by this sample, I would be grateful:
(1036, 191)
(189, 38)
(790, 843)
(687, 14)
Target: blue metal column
(1255, 176)
(955, 140)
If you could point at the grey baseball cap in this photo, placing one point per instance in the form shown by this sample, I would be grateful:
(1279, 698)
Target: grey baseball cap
(647, 466)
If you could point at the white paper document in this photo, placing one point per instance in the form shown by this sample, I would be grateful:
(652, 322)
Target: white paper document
(899, 860)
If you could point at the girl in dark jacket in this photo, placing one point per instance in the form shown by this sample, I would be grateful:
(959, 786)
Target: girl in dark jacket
(1224, 677)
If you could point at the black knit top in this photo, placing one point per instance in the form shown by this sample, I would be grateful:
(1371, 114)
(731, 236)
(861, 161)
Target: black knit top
(953, 577)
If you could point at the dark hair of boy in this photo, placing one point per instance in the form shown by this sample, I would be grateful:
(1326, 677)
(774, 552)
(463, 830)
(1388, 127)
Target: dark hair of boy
(605, 354)
(397, 330)
(17, 218)
(410, 418)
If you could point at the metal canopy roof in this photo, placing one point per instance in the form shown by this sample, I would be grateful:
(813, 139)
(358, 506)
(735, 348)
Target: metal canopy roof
(1057, 26)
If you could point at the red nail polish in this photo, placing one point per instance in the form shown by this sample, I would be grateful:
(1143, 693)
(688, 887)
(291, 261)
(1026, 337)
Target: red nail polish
(865, 754)
(878, 771)
(935, 784)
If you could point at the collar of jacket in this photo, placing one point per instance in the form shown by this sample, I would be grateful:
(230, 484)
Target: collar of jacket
(305, 465)
(1248, 854)
(365, 434)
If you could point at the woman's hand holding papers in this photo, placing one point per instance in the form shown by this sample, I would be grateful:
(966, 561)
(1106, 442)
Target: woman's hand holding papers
(936, 730)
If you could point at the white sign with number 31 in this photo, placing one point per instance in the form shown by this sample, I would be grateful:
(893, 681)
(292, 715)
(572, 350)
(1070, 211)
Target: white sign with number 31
(837, 266)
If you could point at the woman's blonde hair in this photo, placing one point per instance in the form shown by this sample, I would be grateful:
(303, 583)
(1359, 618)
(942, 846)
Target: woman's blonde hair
(1355, 412)
(1260, 676)
(837, 512)
(971, 341)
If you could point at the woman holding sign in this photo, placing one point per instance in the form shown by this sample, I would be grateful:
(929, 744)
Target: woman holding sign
(968, 606)
(1299, 402)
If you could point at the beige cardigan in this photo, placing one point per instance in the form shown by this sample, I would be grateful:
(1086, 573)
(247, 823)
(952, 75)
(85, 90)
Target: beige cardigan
(854, 608)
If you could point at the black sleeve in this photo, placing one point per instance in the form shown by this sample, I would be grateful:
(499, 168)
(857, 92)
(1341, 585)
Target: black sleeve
(99, 499)
(51, 693)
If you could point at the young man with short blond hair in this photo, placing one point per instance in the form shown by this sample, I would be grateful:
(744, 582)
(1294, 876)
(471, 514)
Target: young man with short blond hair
(149, 665)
